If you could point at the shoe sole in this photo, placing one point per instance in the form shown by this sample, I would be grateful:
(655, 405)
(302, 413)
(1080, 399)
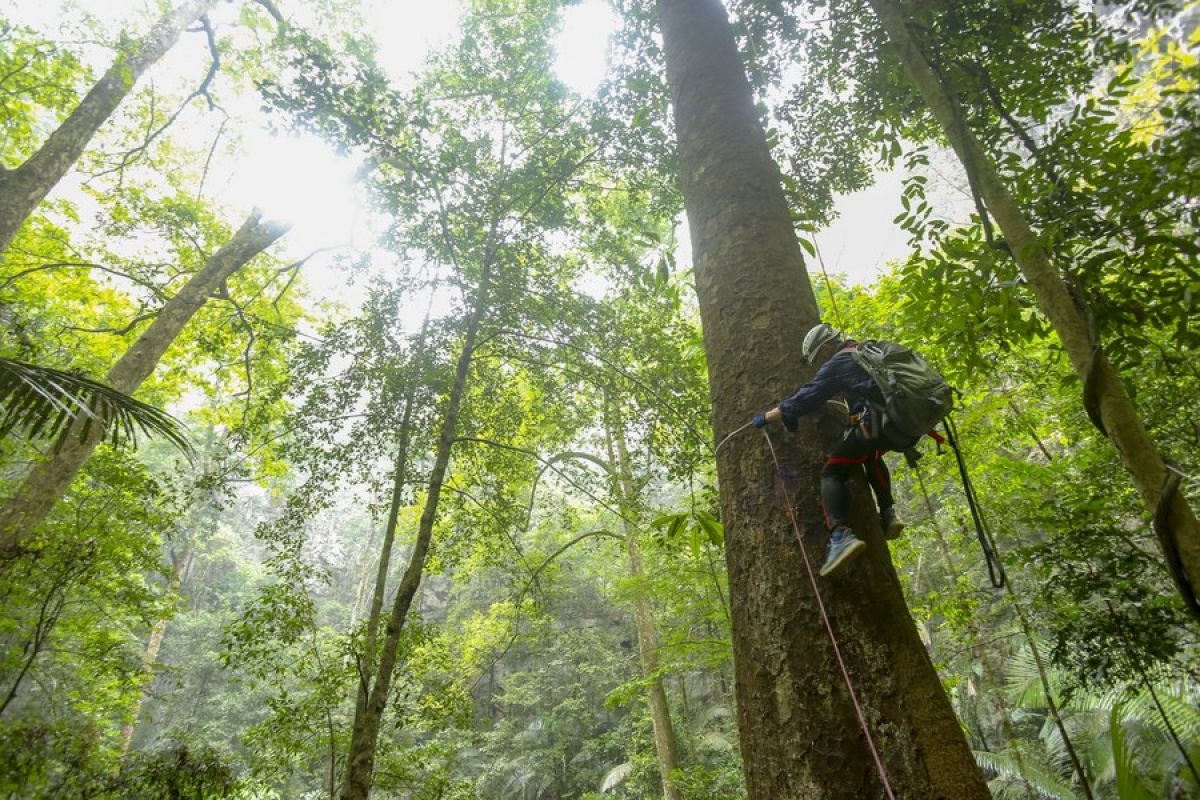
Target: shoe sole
(893, 531)
(844, 558)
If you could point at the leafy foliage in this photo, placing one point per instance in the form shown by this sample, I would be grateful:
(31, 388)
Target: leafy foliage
(518, 673)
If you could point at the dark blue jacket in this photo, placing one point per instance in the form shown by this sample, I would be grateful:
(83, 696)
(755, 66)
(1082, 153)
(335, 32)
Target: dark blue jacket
(839, 376)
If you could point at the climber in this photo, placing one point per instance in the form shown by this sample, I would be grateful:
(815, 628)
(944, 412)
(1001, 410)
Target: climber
(864, 443)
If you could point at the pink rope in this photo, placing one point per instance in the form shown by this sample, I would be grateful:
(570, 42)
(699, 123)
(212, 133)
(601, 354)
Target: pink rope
(862, 719)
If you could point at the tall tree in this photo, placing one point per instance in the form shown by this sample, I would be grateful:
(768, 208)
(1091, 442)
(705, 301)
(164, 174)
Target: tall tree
(32, 500)
(621, 474)
(476, 180)
(360, 762)
(799, 733)
(22, 188)
(1106, 397)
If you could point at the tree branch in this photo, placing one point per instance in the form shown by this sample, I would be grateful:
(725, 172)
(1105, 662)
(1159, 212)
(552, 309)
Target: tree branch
(130, 156)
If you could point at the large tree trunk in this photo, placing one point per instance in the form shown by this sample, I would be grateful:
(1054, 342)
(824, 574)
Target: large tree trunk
(364, 737)
(800, 736)
(665, 746)
(38, 493)
(21, 189)
(1116, 410)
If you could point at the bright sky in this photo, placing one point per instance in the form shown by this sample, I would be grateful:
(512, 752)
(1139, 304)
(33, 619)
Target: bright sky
(319, 199)
(302, 179)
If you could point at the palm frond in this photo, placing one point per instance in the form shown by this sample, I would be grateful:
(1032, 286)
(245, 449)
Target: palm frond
(616, 776)
(1129, 783)
(42, 402)
(1044, 782)
(1184, 716)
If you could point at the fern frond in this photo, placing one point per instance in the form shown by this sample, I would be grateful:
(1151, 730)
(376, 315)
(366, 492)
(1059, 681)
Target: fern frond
(1129, 784)
(1044, 782)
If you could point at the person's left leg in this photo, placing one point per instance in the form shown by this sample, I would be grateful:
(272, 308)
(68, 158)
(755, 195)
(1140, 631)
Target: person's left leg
(848, 457)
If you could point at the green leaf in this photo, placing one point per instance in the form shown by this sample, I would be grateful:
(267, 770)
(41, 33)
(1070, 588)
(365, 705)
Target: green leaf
(710, 525)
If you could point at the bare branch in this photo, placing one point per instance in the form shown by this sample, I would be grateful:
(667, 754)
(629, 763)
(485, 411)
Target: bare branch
(139, 319)
(154, 289)
(208, 160)
(247, 351)
(130, 156)
(552, 464)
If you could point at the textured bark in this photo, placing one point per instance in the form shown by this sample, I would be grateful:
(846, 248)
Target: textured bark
(1117, 412)
(41, 489)
(665, 746)
(799, 734)
(364, 737)
(21, 189)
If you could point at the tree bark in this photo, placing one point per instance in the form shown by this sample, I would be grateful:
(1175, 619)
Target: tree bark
(1115, 407)
(800, 736)
(399, 478)
(364, 737)
(21, 189)
(37, 494)
(665, 746)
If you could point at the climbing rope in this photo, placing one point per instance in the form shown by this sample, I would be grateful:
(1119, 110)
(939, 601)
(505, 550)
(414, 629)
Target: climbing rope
(837, 312)
(837, 651)
(1182, 474)
(730, 436)
(995, 569)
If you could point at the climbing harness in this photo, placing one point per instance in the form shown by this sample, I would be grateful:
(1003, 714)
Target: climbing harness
(995, 569)
(987, 542)
(837, 651)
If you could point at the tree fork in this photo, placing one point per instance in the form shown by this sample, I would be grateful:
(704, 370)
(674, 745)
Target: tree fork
(1106, 397)
(799, 734)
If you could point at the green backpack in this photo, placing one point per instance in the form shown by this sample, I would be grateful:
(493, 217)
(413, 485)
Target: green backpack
(916, 396)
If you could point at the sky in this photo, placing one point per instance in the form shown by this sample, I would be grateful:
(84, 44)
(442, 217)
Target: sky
(319, 198)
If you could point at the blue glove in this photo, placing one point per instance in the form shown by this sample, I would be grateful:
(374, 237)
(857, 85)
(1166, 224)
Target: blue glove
(760, 420)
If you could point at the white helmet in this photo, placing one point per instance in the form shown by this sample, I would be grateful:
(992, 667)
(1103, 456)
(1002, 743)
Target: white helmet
(818, 336)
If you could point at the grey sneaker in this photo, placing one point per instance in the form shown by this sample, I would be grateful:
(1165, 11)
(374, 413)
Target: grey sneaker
(892, 527)
(844, 546)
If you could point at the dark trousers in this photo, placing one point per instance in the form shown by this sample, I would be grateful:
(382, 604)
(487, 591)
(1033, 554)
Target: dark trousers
(855, 452)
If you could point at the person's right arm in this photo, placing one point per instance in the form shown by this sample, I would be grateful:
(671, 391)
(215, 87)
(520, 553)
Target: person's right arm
(829, 381)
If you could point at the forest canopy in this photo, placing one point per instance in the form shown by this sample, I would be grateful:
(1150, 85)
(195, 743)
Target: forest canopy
(378, 388)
